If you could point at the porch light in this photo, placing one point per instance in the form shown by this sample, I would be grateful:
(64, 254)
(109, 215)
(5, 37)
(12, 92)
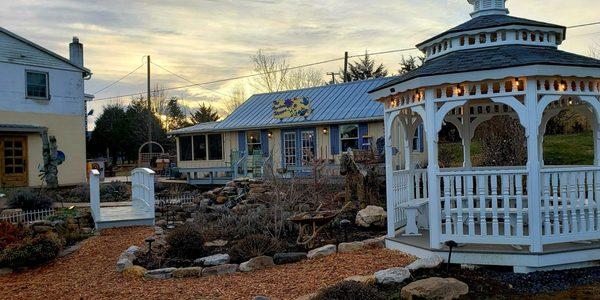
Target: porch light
(270, 134)
(325, 130)
(570, 101)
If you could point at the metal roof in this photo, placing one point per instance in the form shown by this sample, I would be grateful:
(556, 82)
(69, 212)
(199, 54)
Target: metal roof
(491, 21)
(337, 103)
(494, 58)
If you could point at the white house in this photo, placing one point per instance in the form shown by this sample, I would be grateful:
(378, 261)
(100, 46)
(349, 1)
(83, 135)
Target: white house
(530, 217)
(41, 95)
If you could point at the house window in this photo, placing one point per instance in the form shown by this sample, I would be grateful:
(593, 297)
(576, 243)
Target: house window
(349, 137)
(418, 145)
(37, 85)
(253, 141)
(289, 148)
(185, 148)
(199, 147)
(215, 146)
(308, 146)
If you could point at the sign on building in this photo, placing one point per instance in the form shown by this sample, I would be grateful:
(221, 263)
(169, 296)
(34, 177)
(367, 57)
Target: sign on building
(290, 108)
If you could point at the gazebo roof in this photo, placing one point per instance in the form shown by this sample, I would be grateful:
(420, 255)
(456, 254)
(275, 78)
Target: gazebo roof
(492, 21)
(494, 58)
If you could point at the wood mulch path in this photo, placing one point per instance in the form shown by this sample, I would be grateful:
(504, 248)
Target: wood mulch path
(90, 273)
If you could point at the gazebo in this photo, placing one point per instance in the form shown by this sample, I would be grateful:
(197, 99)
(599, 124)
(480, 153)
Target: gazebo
(531, 217)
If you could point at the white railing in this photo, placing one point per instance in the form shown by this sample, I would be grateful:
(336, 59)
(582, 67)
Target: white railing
(483, 206)
(570, 206)
(407, 185)
(179, 200)
(95, 194)
(142, 190)
(29, 216)
(242, 162)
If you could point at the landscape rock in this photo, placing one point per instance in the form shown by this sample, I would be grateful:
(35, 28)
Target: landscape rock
(213, 260)
(426, 263)
(220, 270)
(42, 228)
(187, 272)
(161, 223)
(135, 250)
(5, 271)
(123, 263)
(260, 298)
(322, 251)
(366, 279)
(257, 263)
(69, 250)
(371, 216)
(350, 247)
(392, 276)
(221, 199)
(307, 297)
(164, 273)
(435, 288)
(288, 258)
(134, 272)
(216, 243)
(378, 242)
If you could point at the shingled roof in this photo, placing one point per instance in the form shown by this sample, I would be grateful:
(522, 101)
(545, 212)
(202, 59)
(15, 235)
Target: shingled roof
(494, 58)
(492, 21)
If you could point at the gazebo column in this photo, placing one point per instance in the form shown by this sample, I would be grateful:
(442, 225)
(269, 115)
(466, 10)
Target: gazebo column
(432, 168)
(407, 139)
(388, 121)
(533, 166)
(466, 136)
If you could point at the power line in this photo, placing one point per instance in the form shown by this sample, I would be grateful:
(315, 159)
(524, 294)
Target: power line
(584, 25)
(174, 74)
(117, 81)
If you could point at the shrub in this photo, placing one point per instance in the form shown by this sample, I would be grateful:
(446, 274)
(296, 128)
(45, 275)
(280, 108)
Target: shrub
(349, 290)
(31, 251)
(253, 246)
(9, 234)
(114, 192)
(186, 242)
(27, 199)
(80, 193)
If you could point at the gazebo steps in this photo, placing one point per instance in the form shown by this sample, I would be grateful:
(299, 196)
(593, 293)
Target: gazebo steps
(123, 216)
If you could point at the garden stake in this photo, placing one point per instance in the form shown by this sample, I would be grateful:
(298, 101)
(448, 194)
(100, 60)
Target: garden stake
(450, 244)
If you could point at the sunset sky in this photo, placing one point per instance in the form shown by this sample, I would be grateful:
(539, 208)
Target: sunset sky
(205, 40)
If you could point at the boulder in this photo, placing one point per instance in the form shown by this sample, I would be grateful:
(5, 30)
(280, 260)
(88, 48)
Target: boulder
(123, 263)
(165, 273)
(257, 190)
(322, 251)
(221, 199)
(392, 276)
(126, 255)
(161, 223)
(42, 228)
(134, 272)
(288, 258)
(435, 288)
(5, 271)
(220, 270)
(187, 272)
(371, 216)
(260, 298)
(426, 263)
(216, 243)
(257, 263)
(378, 242)
(213, 260)
(307, 297)
(366, 279)
(350, 247)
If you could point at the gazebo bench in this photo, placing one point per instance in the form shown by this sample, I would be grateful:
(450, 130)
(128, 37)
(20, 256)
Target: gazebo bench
(411, 208)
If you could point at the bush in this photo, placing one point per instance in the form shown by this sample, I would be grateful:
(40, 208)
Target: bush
(349, 290)
(31, 251)
(253, 246)
(9, 234)
(80, 193)
(114, 192)
(27, 199)
(186, 242)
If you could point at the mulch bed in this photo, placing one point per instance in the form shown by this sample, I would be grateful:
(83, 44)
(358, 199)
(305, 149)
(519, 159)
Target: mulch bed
(90, 273)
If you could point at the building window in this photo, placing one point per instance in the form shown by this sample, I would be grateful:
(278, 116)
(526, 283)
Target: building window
(185, 148)
(289, 148)
(37, 85)
(418, 145)
(253, 141)
(199, 147)
(308, 146)
(215, 147)
(349, 137)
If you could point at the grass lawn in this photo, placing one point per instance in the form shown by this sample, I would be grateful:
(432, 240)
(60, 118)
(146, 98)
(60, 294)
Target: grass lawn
(564, 149)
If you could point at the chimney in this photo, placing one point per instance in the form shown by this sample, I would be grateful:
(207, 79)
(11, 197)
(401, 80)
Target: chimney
(76, 52)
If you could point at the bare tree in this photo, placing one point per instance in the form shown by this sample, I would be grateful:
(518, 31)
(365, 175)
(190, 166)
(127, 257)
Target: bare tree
(237, 96)
(275, 74)
(594, 50)
(159, 100)
(303, 78)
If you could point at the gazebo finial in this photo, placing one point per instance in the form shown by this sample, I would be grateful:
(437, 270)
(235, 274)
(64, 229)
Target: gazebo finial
(488, 7)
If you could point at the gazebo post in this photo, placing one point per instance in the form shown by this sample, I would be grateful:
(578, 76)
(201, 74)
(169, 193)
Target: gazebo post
(406, 129)
(432, 169)
(466, 136)
(533, 166)
(388, 121)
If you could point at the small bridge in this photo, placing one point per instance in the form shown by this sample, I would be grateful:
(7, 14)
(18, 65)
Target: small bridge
(139, 213)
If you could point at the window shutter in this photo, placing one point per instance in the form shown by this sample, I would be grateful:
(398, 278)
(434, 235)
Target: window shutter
(363, 130)
(334, 139)
(242, 141)
(264, 142)
(421, 142)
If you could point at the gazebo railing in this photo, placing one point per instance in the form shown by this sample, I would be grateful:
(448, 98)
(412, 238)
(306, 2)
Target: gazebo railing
(483, 206)
(407, 185)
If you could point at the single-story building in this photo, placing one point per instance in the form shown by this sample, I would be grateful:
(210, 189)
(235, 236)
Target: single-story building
(285, 129)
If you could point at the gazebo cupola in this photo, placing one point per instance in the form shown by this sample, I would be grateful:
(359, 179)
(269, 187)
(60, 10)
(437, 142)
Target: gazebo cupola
(488, 7)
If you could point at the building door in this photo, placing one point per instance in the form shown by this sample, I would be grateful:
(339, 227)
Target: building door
(289, 149)
(307, 139)
(13, 161)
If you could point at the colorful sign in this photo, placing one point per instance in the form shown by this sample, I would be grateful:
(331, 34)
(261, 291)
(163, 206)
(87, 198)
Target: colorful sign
(290, 108)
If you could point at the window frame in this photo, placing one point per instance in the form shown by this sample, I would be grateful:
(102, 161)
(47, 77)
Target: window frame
(252, 146)
(179, 144)
(341, 139)
(208, 156)
(47, 75)
(200, 137)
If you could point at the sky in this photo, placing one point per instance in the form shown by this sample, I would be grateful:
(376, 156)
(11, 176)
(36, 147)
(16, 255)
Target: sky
(206, 40)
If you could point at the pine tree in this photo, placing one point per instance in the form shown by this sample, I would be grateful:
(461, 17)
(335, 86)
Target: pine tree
(205, 113)
(176, 117)
(411, 63)
(364, 68)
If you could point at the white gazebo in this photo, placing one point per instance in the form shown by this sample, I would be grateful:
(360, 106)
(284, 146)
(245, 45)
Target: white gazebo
(530, 217)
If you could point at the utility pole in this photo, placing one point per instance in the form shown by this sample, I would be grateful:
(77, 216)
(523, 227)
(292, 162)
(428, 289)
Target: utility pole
(332, 74)
(149, 107)
(346, 66)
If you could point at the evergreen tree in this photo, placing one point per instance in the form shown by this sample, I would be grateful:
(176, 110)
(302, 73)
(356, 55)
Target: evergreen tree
(364, 68)
(411, 63)
(205, 113)
(175, 116)
(112, 128)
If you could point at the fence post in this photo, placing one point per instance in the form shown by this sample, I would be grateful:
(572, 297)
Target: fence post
(95, 195)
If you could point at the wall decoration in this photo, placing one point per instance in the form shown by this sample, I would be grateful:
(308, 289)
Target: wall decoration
(290, 108)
